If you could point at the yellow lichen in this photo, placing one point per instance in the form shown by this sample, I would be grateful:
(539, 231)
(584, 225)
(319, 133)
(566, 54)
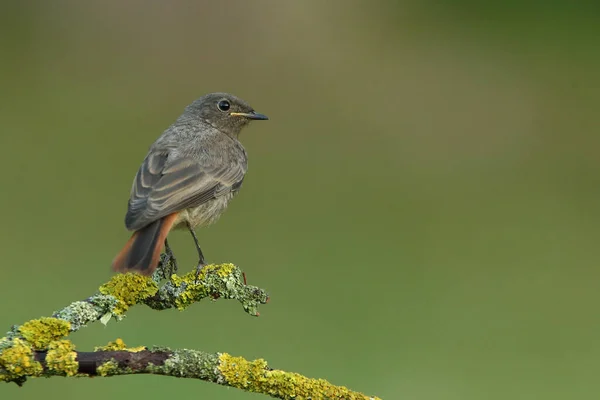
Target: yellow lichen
(254, 376)
(108, 368)
(136, 349)
(193, 291)
(194, 286)
(112, 346)
(240, 372)
(17, 361)
(119, 344)
(222, 270)
(40, 332)
(128, 289)
(62, 358)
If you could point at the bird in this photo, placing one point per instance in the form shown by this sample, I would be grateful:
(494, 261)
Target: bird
(187, 179)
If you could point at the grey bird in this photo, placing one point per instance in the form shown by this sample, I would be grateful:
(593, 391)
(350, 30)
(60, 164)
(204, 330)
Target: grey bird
(187, 179)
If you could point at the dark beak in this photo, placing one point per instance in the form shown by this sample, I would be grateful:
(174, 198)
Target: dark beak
(250, 115)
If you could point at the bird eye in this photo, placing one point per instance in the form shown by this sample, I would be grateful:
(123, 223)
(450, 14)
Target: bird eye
(224, 105)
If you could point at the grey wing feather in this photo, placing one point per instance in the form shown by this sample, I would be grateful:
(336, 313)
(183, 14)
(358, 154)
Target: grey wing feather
(161, 188)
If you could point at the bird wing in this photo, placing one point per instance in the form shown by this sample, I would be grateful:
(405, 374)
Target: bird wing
(162, 186)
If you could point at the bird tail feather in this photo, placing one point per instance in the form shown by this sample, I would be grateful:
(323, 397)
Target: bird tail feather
(141, 253)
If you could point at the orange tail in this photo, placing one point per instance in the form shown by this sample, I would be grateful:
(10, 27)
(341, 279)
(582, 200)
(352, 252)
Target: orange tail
(142, 251)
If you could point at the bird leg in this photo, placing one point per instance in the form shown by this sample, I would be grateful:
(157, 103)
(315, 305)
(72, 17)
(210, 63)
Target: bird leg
(168, 261)
(201, 262)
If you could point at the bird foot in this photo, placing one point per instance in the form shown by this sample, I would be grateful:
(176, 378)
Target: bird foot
(168, 265)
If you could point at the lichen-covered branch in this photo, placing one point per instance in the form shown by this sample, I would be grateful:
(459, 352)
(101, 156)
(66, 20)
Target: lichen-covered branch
(39, 347)
(125, 290)
(221, 368)
(112, 301)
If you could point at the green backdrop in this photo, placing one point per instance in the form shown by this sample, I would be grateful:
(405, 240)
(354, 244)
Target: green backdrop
(422, 205)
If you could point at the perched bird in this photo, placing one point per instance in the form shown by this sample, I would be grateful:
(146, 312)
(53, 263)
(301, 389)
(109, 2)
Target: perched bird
(187, 179)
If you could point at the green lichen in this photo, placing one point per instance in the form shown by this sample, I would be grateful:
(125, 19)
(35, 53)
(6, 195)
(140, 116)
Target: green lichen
(79, 314)
(40, 332)
(218, 280)
(214, 281)
(17, 362)
(128, 289)
(104, 303)
(119, 344)
(109, 368)
(254, 376)
(189, 364)
(227, 282)
(5, 343)
(61, 358)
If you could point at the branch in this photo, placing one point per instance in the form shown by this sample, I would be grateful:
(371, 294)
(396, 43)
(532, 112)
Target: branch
(220, 368)
(39, 348)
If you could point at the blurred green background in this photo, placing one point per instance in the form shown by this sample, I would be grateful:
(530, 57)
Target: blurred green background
(422, 205)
